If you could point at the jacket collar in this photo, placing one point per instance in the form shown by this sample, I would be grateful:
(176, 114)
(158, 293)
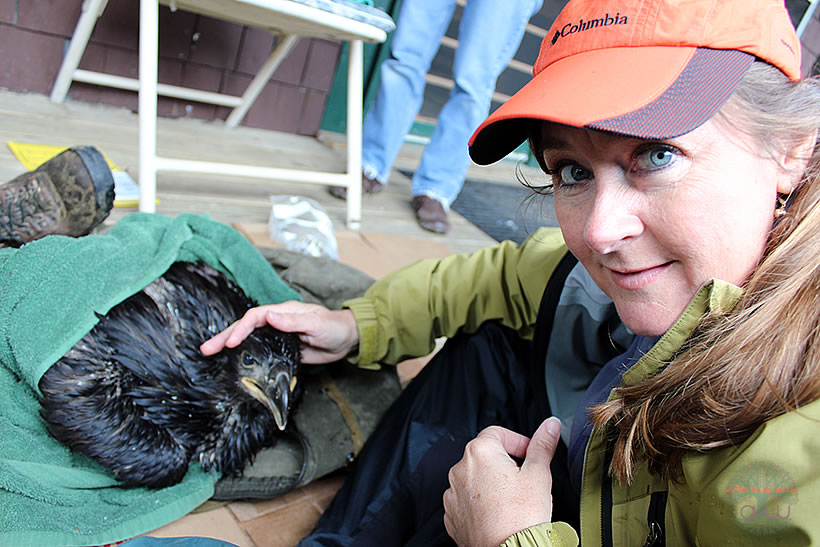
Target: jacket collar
(715, 295)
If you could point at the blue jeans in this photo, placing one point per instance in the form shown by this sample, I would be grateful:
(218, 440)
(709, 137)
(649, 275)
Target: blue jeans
(488, 37)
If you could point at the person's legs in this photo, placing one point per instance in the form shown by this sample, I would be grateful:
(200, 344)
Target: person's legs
(419, 28)
(489, 35)
(394, 495)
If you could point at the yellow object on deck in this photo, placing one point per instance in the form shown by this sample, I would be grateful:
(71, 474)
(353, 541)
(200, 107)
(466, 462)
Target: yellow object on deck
(32, 156)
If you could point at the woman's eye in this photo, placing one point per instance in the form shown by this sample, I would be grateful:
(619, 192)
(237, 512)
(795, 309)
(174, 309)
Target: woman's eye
(572, 174)
(655, 157)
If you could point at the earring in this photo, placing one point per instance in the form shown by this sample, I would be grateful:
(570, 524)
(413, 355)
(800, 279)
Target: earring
(782, 207)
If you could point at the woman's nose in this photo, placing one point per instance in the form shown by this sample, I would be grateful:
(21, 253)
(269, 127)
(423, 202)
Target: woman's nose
(613, 218)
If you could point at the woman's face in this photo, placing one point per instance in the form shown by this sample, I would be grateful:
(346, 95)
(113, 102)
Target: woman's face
(652, 221)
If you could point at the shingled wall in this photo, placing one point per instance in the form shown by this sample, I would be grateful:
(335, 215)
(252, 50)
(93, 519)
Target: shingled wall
(195, 51)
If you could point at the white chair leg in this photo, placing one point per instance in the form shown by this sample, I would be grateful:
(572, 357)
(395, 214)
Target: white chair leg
(92, 9)
(355, 96)
(282, 49)
(149, 49)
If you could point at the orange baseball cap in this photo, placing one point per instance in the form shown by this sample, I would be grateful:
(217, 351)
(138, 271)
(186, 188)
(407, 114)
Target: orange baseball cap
(652, 69)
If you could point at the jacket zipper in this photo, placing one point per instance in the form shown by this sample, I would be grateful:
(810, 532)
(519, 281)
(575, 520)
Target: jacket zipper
(606, 496)
(656, 518)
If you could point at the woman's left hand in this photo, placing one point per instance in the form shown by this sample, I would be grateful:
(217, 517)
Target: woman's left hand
(490, 497)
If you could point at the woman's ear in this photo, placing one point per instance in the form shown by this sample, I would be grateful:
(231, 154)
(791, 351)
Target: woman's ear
(795, 162)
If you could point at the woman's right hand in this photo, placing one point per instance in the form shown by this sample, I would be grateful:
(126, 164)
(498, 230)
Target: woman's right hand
(326, 335)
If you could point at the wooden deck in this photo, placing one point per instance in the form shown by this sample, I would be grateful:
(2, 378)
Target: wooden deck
(32, 118)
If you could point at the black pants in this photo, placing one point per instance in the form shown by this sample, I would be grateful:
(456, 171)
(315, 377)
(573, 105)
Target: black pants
(394, 495)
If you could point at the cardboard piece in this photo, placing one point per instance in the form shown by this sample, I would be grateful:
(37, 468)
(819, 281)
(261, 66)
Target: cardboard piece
(372, 253)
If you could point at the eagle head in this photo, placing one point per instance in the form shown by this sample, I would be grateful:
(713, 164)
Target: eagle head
(267, 364)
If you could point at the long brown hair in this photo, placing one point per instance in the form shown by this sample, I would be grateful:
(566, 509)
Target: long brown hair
(762, 359)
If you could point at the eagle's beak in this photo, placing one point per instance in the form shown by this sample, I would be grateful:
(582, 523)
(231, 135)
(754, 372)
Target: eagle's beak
(275, 400)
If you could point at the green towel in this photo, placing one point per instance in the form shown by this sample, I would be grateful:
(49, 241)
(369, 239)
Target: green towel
(49, 291)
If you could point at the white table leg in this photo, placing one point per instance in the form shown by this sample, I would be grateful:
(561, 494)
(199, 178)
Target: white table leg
(149, 49)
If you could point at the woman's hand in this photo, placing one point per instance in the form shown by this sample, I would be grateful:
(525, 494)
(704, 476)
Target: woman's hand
(326, 335)
(490, 497)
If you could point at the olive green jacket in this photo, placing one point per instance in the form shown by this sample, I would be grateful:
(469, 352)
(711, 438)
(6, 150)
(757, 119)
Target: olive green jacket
(764, 491)
(401, 315)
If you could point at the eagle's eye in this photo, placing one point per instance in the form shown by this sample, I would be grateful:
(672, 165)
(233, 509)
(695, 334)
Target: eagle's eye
(248, 360)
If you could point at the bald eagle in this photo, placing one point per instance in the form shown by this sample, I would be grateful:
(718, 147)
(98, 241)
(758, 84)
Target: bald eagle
(136, 395)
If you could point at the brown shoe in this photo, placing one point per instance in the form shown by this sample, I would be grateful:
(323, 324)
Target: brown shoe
(431, 214)
(68, 195)
(369, 186)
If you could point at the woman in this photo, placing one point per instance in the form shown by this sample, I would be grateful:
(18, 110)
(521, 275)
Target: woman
(681, 353)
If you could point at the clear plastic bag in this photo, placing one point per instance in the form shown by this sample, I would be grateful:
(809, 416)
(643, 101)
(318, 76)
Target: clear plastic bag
(300, 224)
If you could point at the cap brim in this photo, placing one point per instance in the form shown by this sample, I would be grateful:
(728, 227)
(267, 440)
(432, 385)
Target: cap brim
(644, 92)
